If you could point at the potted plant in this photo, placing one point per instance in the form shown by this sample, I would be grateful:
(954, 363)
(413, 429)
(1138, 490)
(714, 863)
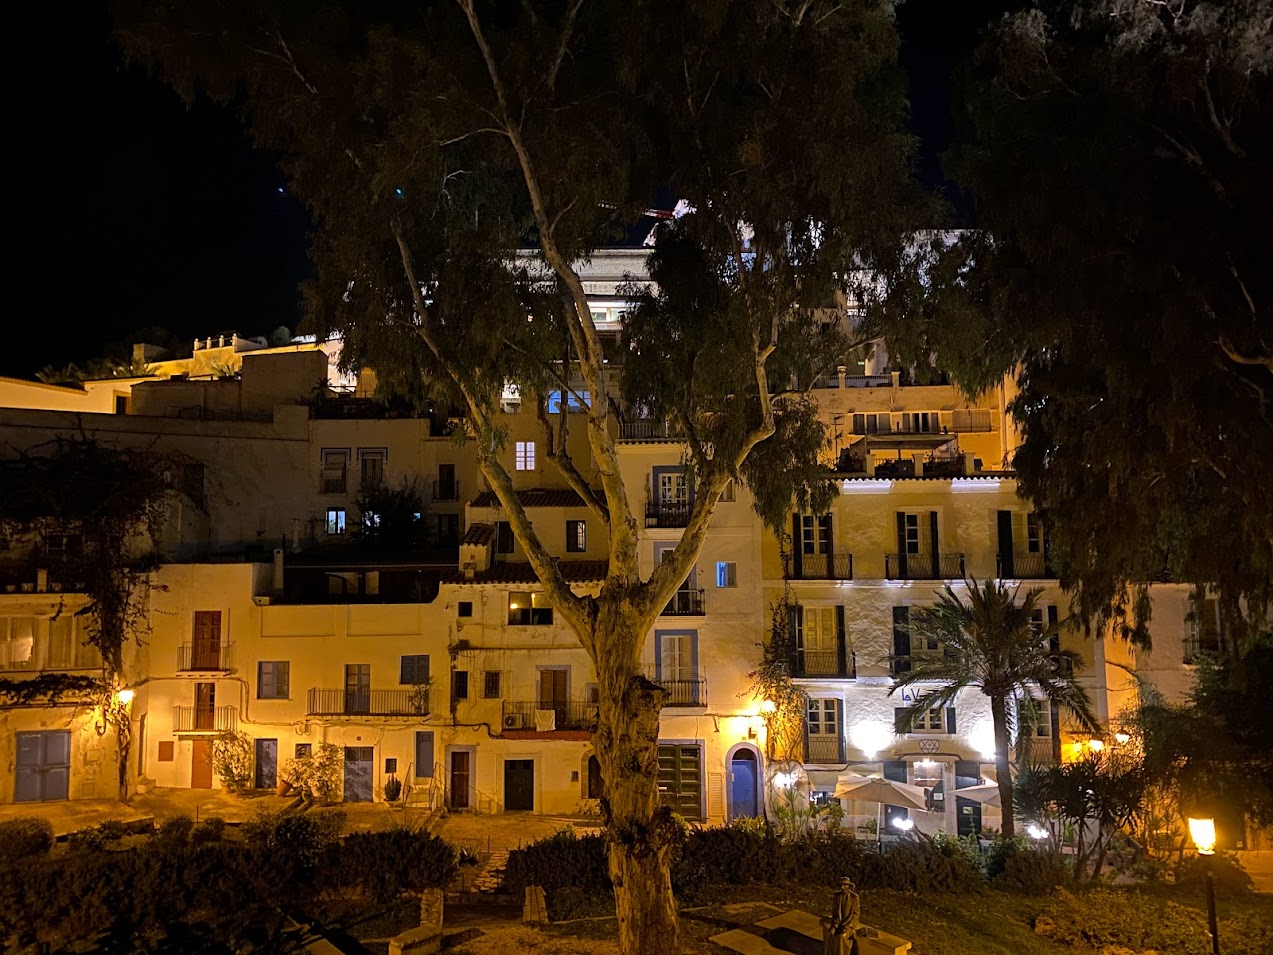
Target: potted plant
(393, 788)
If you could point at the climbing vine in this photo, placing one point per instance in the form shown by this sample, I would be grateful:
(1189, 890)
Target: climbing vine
(782, 702)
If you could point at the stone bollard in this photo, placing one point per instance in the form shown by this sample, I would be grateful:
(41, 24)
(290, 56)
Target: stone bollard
(535, 908)
(427, 939)
(431, 903)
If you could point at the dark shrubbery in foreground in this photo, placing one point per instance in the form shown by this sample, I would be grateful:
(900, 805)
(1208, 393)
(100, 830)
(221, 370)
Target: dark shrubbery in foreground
(23, 838)
(189, 888)
(573, 870)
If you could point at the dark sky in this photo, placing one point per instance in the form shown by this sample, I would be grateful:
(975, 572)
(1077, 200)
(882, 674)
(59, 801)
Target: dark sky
(128, 210)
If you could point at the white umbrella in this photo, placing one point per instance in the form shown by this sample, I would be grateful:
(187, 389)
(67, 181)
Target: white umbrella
(986, 793)
(883, 791)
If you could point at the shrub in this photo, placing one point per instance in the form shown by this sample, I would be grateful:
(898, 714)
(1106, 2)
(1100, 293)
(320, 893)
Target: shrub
(999, 851)
(208, 830)
(24, 837)
(562, 861)
(292, 848)
(317, 775)
(1229, 876)
(386, 864)
(176, 829)
(232, 757)
(393, 789)
(1032, 872)
(85, 840)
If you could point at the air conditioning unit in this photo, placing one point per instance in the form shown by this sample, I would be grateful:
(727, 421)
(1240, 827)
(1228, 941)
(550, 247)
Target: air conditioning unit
(512, 721)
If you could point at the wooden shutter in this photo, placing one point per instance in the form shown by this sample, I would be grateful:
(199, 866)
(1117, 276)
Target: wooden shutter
(1006, 569)
(950, 719)
(797, 627)
(797, 544)
(901, 543)
(901, 639)
(841, 642)
(827, 544)
(932, 536)
(901, 723)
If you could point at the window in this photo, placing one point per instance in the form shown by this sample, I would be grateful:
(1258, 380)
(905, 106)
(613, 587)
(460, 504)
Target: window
(167, 751)
(1205, 634)
(934, 720)
(576, 537)
(1033, 534)
(460, 685)
(824, 717)
(335, 463)
(303, 750)
(447, 489)
(527, 608)
(335, 521)
(874, 423)
(424, 754)
(491, 685)
(121, 404)
(68, 646)
(272, 678)
(503, 537)
(391, 764)
(726, 573)
(448, 530)
(676, 654)
(673, 488)
(815, 534)
(577, 400)
(372, 468)
(414, 669)
(912, 533)
(525, 456)
(729, 494)
(464, 609)
(17, 643)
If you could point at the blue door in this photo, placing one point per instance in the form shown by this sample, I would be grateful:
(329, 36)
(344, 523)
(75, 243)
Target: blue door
(358, 772)
(744, 774)
(42, 770)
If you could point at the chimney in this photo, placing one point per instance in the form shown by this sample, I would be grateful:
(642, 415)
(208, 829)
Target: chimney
(278, 572)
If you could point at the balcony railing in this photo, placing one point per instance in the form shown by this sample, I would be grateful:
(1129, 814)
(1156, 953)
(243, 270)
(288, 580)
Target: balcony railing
(894, 468)
(334, 485)
(572, 715)
(643, 431)
(820, 567)
(924, 566)
(203, 659)
(684, 689)
(204, 719)
(685, 603)
(1042, 750)
(824, 663)
(1016, 566)
(322, 702)
(666, 514)
(824, 749)
(446, 492)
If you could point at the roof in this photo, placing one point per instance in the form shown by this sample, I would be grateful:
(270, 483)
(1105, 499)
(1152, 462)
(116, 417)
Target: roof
(534, 497)
(479, 535)
(574, 571)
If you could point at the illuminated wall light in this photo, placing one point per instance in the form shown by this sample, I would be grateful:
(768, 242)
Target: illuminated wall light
(1122, 737)
(1203, 834)
(768, 706)
(871, 737)
(906, 825)
(125, 696)
(785, 780)
(1096, 745)
(1036, 831)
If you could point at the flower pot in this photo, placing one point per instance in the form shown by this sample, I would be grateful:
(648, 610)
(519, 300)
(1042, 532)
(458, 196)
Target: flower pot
(282, 788)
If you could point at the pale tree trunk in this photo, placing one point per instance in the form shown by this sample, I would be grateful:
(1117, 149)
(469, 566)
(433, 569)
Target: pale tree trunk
(1003, 763)
(641, 833)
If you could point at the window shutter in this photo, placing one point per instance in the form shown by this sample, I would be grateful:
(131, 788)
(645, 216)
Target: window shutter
(797, 543)
(950, 720)
(423, 754)
(1054, 642)
(900, 723)
(826, 545)
(797, 627)
(1006, 569)
(901, 639)
(932, 535)
(282, 677)
(901, 544)
(841, 642)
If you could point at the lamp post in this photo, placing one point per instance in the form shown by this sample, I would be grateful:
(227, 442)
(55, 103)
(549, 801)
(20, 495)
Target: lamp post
(1203, 833)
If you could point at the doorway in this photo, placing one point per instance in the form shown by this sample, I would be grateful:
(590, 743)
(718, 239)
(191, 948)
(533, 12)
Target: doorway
(967, 811)
(42, 771)
(201, 764)
(266, 763)
(460, 773)
(205, 653)
(519, 785)
(359, 768)
(744, 778)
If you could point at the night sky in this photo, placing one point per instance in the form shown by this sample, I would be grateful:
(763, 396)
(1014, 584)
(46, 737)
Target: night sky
(128, 210)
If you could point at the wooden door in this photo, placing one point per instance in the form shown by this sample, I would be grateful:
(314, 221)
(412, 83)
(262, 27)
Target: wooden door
(206, 650)
(552, 693)
(460, 779)
(359, 768)
(205, 706)
(519, 785)
(201, 764)
(357, 687)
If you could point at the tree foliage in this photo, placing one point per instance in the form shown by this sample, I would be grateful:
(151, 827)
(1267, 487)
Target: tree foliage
(1119, 154)
(991, 643)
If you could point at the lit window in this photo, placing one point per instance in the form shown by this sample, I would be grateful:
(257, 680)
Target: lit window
(526, 608)
(525, 455)
(576, 537)
(726, 573)
(335, 520)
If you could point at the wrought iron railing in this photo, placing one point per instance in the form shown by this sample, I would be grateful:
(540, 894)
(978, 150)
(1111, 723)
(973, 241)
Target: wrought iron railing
(334, 485)
(446, 491)
(643, 431)
(666, 514)
(895, 468)
(571, 715)
(824, 749)
(684, 689)
(193, 657)
(204, 719)
(1014, 566)
(820, 567)
(685, 603)
(924, 566)
(824, 663)
(335, 702)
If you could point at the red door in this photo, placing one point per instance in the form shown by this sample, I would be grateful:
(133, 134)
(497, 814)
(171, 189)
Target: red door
(201, 764)
(206, 651)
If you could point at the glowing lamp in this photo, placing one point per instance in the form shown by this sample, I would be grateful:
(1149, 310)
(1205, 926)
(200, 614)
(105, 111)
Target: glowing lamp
(768, 706)
(514, 605)
(1096, 745)
(1203, 834)
(906, 825)
(1122, 737)
(784, 780)
(1036, 831)
(125, 696)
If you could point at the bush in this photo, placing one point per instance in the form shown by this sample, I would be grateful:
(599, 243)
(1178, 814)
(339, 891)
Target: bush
(317, 775)
(1229, 876)
(560, 862)
(387, 864)
(998, 853)
(1032, 872)
(176, 829)
(232, 760)
(292, 848)
(211, 829)
(24, 837)
(393, 789)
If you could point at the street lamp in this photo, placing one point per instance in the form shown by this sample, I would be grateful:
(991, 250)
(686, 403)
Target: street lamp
(1203, 834)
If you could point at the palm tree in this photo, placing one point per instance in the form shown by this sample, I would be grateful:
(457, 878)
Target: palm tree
(994, 644)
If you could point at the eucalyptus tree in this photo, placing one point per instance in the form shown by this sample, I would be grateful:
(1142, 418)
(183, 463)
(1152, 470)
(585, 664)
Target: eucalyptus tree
(1119, 159)
(993, 644)
(430, 141)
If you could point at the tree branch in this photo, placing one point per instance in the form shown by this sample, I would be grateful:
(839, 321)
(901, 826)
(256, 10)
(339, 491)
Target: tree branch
(559, 455)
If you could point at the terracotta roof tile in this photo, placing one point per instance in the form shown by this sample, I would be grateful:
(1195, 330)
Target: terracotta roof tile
(534, 497)
(479, 534)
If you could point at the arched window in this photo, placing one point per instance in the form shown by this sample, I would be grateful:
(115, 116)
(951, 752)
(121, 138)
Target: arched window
(596, 787)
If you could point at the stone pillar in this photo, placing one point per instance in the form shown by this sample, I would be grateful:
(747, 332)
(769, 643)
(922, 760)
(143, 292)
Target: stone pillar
(918, 458)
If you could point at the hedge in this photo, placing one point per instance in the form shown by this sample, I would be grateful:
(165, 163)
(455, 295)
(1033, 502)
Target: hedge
(24, 837)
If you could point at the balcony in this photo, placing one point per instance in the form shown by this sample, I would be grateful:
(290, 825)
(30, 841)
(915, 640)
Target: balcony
(322, 702)
(446, 492)
(1014, 566)
(895, 468)
(575, 715)
(819, 567)
(644, 431)
(1043, 751)
(335, 485)
(204, 659)
(685, 603)
(824, 664)
(204, 720)
(824, 749)
(667, 514)
(684, 689)
(924, 566)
